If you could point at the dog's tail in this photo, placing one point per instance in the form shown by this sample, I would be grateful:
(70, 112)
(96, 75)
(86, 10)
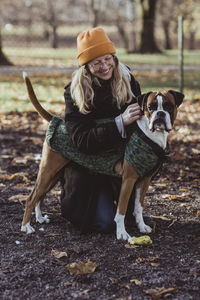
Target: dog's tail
(44, 114)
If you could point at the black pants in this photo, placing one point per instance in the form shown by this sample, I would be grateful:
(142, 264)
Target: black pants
(89, 201)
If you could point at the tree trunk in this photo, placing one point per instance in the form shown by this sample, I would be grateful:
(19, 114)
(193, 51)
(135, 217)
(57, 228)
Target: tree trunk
(192, 40)
(53, 37)
(148, 43)
(122, 33)
(3, 59)
(166, 32)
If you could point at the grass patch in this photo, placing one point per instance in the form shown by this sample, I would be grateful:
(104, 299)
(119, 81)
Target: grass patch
(67, 57)
(50, 90)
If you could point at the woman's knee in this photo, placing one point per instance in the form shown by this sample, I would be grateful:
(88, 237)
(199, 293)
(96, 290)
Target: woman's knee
(104, 227)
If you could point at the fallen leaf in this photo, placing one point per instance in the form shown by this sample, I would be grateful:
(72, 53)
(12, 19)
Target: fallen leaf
(54, 234)
(130, 246)
(146, 259)
(58, 254)
(137, 282)
(18, 198)
(127, 286)
(67, 283)
(13, 176)
(85, 292)
(198, 213)
(34, 140)
(176, 197)
(154, 264)
(114, 280)
(80, 267)
(159, 292)
(161, 218)
(183, 190)
(197, 179)
(142, 240)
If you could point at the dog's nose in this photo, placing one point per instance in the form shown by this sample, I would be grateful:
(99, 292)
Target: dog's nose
(161, 114)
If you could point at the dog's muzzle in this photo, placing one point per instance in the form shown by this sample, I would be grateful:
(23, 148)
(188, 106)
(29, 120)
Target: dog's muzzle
(159, 123)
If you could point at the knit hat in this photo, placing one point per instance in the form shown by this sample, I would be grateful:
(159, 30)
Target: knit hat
(93, 43)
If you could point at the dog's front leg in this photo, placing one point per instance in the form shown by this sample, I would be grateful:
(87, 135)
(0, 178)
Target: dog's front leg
(129, 177)
(141, 190)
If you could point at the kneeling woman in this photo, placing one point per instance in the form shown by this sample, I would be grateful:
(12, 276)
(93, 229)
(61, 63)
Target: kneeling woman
(101, 88)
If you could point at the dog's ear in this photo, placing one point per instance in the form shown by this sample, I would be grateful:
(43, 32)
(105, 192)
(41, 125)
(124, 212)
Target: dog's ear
(178, 97)
(142, 99)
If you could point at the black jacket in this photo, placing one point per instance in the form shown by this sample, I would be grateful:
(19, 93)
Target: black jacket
(80, 187)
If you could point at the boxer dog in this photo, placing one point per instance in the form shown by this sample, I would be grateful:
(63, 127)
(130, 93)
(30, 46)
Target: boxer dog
(159, 112)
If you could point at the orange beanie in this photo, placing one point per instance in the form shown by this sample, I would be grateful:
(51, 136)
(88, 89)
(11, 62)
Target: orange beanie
(92, 44)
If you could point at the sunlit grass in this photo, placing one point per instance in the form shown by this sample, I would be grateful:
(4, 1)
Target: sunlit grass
(67, 57)
(50, 89)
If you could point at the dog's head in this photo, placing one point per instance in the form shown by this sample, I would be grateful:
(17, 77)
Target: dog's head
(160, 108)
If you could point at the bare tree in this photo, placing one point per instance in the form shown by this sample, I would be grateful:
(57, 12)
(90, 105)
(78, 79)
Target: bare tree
(148, 42)
(190, 10)
(3, 18)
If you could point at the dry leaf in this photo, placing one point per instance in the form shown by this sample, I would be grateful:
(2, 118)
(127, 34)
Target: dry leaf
(127, 286)
(176, 197)
(198, 213)
(58, 254)
(13, 176)
(130, 246)
(147, 259)
(114, 280)
(81, 267)
(137, 282)
(157, 293)
(161, 218)
(154, 264)
(54, 234)
(85, 292)
(141, 240)
(18, 198)
(197, 179)
(34, 140)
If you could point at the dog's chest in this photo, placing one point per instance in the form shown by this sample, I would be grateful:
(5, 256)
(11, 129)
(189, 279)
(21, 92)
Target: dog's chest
(140, 154)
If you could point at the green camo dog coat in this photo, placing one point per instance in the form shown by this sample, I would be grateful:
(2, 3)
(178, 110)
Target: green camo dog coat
(138, 152)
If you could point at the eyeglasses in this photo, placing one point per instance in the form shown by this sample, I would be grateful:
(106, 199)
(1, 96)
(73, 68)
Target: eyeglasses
(97, 64)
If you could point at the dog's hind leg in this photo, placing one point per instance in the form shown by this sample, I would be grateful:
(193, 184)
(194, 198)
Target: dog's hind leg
(129, 178)
(51, 163)
(141, 189)
(38, 214)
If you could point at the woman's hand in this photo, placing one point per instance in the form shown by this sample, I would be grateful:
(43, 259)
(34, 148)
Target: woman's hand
(131, 114)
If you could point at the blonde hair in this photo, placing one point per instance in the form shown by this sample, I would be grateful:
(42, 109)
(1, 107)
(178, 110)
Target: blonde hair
(82, 91)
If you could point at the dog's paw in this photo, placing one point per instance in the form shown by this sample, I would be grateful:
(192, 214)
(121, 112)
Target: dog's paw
(145, 229)
(123, 235)
(27, 228)
(40, 219)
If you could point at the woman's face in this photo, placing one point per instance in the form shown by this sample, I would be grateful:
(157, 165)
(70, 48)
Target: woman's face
(102, 66)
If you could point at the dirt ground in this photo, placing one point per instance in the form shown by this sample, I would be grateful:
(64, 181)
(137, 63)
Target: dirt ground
(169, 268)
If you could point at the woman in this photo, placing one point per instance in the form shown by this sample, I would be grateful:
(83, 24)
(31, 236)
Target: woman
(101, 88)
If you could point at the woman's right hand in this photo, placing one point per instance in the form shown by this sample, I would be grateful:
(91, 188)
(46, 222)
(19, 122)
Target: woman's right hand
(131, 114)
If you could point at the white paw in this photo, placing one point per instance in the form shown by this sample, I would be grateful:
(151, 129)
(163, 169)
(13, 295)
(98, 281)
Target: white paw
(42, 219)
(27, 228)
(145, 228)
(123, 235)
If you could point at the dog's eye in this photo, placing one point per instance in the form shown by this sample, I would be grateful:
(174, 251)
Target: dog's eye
(152, 106)
(168, 106)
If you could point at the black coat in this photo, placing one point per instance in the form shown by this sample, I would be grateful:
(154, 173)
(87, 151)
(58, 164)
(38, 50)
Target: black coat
(80, 187)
